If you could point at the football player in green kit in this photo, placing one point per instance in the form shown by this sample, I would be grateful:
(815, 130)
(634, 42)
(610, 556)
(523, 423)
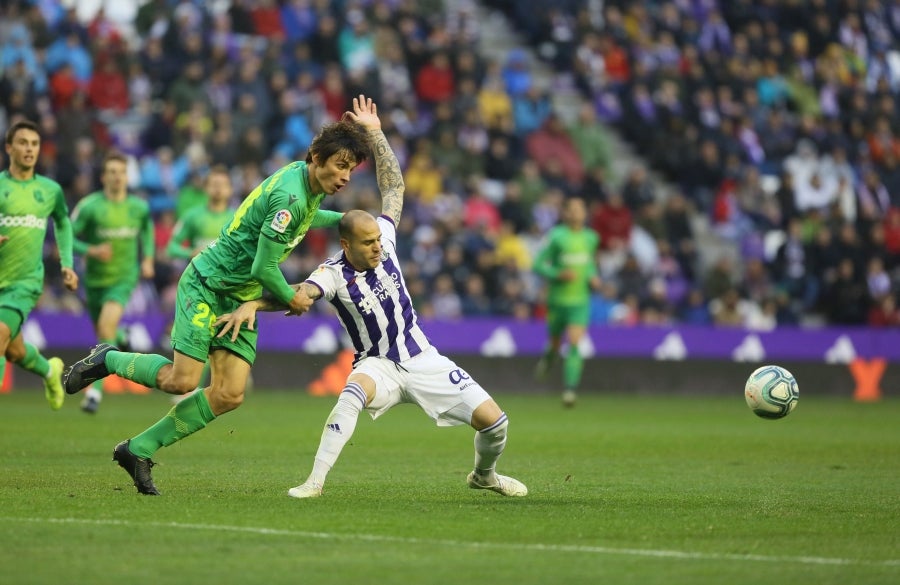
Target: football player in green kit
(568, 263)
(200, 226)
(26, 201)
(109, 227)
(238, 266)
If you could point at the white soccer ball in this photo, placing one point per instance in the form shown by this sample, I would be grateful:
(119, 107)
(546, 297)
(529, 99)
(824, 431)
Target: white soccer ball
(771, 392)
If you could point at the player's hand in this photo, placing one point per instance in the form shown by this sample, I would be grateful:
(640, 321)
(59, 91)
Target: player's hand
(102, 252)
(299, 304)
(365, 113)
(566, 275)
(246, 313)
(596, 283)
(3, 239)
(70, 279)
(148, 270)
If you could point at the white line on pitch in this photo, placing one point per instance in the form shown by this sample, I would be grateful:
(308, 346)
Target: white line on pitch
(599, 550)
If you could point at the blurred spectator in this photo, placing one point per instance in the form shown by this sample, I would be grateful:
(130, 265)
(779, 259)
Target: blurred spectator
(422, 179)
(884, 313)
(845, 300)
(613, 222)
(475, 302)
(591, 140)
(445, 302)
(435, 81)
(551, 143)
(530, 110)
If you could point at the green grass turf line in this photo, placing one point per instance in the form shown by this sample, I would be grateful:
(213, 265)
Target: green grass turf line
(623, 489)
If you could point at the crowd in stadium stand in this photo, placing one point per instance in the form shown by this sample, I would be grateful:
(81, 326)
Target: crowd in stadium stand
(776, 119)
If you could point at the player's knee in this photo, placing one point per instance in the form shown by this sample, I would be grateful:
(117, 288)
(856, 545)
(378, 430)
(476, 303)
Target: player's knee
(497, 428)
(222, 400)
(175, 383)
(15, 353)
(487, 415)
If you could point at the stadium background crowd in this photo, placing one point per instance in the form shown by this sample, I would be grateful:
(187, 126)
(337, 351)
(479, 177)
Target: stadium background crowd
(774, 120)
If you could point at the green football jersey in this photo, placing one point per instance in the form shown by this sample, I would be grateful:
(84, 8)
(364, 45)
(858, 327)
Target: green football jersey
(25, 207)
(568, 250)
(198, 228)
(281, 209)
(126, 225)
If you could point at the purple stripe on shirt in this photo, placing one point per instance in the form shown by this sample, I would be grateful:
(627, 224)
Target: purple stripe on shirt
(347, 319)
(345, 316)
(409, 317)
(371, 318)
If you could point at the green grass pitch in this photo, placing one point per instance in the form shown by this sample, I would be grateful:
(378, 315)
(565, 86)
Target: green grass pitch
(623, 489)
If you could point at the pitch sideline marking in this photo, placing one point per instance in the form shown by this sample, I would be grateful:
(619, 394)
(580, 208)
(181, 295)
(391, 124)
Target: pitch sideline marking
(600, 550)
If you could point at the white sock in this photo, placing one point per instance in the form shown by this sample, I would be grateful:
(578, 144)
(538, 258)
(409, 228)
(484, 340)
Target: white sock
(489, 445)
(339, 427)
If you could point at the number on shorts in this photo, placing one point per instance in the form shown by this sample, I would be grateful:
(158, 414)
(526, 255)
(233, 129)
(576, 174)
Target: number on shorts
(204, 317)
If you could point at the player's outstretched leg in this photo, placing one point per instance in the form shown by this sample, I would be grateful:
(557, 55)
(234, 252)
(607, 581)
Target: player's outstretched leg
(489, 445)
(88, 370)
(339, 427)
(137, 467)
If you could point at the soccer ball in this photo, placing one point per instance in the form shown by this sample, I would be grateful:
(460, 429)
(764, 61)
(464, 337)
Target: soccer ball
(771, 392)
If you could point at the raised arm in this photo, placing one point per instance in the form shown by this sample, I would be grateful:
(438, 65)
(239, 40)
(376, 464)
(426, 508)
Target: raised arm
(387, 168)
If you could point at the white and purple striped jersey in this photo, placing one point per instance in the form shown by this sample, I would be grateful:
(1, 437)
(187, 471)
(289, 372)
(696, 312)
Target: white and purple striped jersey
(374, 306)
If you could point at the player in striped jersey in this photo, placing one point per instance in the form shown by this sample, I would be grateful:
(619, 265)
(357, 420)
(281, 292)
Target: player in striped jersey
(394, 362)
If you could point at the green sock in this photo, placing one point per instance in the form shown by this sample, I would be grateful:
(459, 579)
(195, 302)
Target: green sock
(98, 385)
(187, 417)
(572, 368)
(34, 361)
(2, 367)
(137, 367)
(550, 355)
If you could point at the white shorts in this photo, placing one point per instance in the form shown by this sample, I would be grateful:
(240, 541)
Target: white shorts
(442, 389)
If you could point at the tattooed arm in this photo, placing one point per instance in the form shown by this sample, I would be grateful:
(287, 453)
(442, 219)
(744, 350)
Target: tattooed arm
(387, 168)
(268, 302)
(390, 178)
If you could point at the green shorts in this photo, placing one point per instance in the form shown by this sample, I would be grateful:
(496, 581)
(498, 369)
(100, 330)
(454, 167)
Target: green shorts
(97, 296)
(561, 316)
(16, 303)
(196, 308)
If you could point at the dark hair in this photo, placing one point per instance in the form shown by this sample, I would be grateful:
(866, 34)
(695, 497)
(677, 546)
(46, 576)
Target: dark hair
(344, 136)
(218, 169)
(114, 155)
(21, 125)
